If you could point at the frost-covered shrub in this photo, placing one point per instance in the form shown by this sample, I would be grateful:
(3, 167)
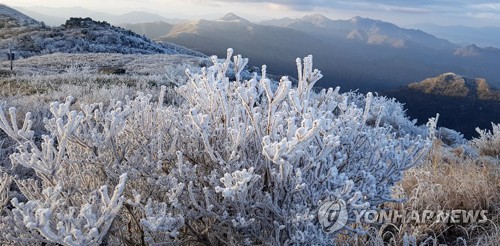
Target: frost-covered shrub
(388, 112)
(451, 137)
(237, 162)
(488, 143)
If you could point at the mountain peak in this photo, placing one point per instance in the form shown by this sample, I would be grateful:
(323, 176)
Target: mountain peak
(232, 17)
(450, 78)
(447, 84)
(450, 75)
(358, 18)
(315, 18)
(362, 21)
(469, 50)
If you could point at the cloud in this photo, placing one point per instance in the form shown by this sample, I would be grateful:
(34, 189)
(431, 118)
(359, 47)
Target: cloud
(403, 6)
(484, 11)
(303, 5)
(308, 5)
(486, 7)
(408, 10)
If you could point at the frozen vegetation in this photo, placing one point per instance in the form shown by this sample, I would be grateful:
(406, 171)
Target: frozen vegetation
(218, 155)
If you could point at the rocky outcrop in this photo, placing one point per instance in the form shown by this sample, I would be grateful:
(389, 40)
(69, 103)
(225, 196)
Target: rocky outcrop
(454, 85)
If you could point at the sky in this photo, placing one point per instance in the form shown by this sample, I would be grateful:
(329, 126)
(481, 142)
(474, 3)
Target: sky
(402, 12)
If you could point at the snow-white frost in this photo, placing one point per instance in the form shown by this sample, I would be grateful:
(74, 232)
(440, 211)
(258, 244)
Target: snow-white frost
(236, 160)
(88, 227)
(488, 142)
(237, 183)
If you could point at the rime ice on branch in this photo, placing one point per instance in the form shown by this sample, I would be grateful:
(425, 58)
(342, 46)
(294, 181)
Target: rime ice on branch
(238, 161)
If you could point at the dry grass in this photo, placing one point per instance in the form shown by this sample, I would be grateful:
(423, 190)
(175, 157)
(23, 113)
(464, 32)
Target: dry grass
(448, 180)
(12, 87)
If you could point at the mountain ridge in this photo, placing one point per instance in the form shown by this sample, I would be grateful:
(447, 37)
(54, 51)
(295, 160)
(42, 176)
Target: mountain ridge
(247, 38)
(359, 53)
(377, 31)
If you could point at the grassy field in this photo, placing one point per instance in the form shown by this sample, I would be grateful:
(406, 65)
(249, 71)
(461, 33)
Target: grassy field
(38, 80)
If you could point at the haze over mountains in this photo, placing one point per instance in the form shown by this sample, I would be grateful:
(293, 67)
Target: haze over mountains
(357, 53)
(464, 35)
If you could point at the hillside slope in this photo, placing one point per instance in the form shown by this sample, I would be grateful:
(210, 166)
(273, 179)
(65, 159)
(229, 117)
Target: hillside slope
(150, 29)
(12, 18)
(27, 37)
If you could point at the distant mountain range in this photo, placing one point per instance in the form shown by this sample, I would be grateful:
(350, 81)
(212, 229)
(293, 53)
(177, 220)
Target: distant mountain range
(359, 53)
(250, 40)
(464, 35)
(459, 34)
(363, 30)
(27, 37)
(463, 103)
